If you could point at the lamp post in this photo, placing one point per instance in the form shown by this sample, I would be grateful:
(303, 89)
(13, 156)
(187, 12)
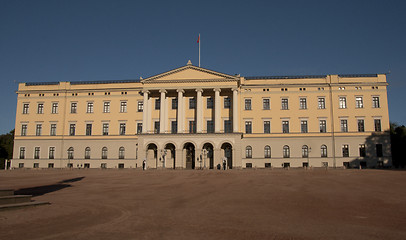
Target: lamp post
(163, 154)
(205, 157)
(308, 156)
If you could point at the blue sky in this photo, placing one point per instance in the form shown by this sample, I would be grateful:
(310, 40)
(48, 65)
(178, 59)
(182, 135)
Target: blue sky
(74, 40)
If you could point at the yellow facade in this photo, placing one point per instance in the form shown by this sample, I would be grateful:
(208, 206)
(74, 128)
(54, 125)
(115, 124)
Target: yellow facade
(270, 121)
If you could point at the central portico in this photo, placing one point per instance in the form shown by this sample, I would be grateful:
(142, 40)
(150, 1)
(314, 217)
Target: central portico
(183, 108)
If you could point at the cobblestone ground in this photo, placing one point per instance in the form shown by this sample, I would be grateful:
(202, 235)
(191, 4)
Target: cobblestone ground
(234, 204)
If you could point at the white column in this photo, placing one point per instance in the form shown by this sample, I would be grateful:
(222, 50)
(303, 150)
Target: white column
(145, 112)
(162, 120)
(235, 110)
(180, 110)
(217, 110)
(199, 111)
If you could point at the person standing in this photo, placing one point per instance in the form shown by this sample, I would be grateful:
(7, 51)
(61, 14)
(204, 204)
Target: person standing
(224, 163)
(144, 165)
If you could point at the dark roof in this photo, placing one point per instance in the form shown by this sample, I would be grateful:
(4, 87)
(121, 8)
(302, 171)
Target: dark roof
(41, 83)
(103, 82)
(285, 77)
(357, 75)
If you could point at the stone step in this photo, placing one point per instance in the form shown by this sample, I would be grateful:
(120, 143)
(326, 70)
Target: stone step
(21, 205)
(6, 192)
(15, 199)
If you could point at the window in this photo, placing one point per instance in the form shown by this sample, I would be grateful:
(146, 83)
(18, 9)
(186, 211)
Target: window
(362, 150)
(122, 128)
(285, 126)
(267, 151)
(105, 129)
(89, 107)
(36, 165)
(106, 107)
(247, 104)
(22, 152)
(121, 152)
(174, 103)
(267, 126)
(209, 102)
(156, 127)
(72, 128)
(53, 129)
(322, 103)
(70, 153)
(139, 128)
(248, 152)
(192, 103)
(227, 102)
(38, 131)
(323, 150)
(51, 152)
(210, 126)
(140, 106)
(73, 107)
(379, 150)
(346, 151)
(344, 126)
(286, 151)
(323, 126)
(359, 102)
(174, 127)
(248, 127)
(88, 129)
(40, 108)
(36, 152)
(377, 124)
(24, 130)
(87, 153)
(303, 103)
(26, 107)
(192, 127)
(303, 126)
(104, 153)
(375, 102)
(54, 107)
(157, 104)
(266, 104)
(361, 127)
(342, 102)
(228, 127)
(305, 151)
(285, 104)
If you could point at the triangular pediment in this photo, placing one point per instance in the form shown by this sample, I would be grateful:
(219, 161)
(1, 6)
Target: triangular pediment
(190, 73)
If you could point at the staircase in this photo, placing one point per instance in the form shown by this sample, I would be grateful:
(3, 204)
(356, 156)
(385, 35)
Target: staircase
(10, 201)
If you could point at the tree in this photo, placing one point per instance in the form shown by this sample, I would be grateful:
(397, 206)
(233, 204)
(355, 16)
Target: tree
(6, 147)
(398, 142)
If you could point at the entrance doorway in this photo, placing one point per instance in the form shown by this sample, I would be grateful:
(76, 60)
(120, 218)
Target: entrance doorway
(190, 155)
(169, 156)
(228, 153)
(208, 155)
(152, 156)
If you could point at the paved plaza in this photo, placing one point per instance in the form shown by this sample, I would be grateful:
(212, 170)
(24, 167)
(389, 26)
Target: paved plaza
(193, 204)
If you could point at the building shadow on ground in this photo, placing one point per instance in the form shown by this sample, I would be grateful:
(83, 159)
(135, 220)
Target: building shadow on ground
(41, 190)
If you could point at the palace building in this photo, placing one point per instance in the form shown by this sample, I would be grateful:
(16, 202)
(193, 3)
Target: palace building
(195, 118)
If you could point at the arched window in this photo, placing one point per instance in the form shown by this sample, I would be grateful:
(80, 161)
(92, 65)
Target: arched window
(104, 153)
(305, 151)
(267, 151)
(248, 152)
(323, 150)
(87, 153)
(121, 153)
(286, 151)
(70, 153)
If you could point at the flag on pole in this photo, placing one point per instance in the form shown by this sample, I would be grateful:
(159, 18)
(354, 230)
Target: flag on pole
(198, 39)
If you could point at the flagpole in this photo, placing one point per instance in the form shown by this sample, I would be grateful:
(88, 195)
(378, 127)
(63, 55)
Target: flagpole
(199, 49)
